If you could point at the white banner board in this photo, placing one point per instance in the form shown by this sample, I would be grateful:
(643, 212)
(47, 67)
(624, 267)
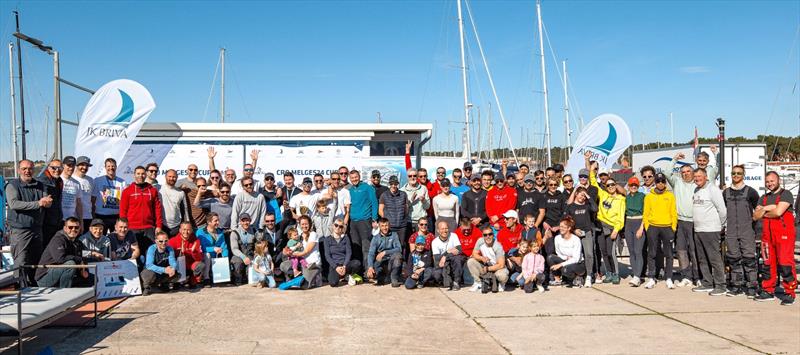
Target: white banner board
(179, 156)
(307, 160)
(111, 120)
(117, 279)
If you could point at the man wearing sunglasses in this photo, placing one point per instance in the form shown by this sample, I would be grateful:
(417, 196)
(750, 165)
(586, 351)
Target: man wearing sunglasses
(649, 175)
(161, 267)
(106, 195)
(151, 171)
(53, 186)
(467, 173)
(63, 249)
(248, 201)
(740, 237)
(418, 200)
(26, 200)
(304, 203)
(375, 179)
(272, 194)
(488, 257)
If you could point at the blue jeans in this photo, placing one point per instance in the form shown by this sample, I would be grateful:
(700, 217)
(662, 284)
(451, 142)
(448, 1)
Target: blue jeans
(58, 277)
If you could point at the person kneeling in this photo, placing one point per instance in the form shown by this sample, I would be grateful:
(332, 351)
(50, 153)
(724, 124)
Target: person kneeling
(488, 264)
(419, 265)
(160, 266)
(384, 256)
(532, 276)
(187, 245)
(448, 260)
(566, 264)
(63, 249)
(338, 253)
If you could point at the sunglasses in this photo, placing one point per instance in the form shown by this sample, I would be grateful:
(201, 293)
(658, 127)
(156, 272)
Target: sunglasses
(269, 178)
(737, 173)
(647, 176)
(247, 185)
(55, 168)
(225, 192)
(423, 176)
(199, 186)
(269, 221)
(440, 173)
(319, 180)
(611, 184)
(248, 170)
(412, 176)
(214, 178)
(190, 169)
(72, 228)
(338, 225)
(423, 224)
(334, 179)
(568, 181)
(152, 171)
(161, 241)
(488, 234)
(583, 176)
(539, 178)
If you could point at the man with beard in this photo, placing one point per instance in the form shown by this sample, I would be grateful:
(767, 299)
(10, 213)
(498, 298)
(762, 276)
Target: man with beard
(473, 203)
(174, 202)
(777, 240)
(53, 186)
(141, 205)
(26, 202)
(530, 201)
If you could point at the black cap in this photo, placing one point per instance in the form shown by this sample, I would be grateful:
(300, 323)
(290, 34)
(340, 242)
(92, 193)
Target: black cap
(661, 178)
(558, 168)
(476, 177)
(445, 183)
(69, 160)
(467, 165)
(96, 222)
(394, 180)
(84, 160)
(375, 173)
(499, 177)
(307, 180)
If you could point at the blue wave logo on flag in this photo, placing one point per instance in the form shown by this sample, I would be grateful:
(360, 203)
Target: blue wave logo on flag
(610, 142)
(670, 159)
(125, 112)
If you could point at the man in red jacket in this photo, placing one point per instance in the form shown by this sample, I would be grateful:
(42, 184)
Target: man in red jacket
(187, 245)
(499, 200)
(141, 205)
(511, 233)
(468, 235)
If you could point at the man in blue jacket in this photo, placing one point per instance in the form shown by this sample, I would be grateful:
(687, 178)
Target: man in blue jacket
(363, 213)
(385, 256)
(160, 266)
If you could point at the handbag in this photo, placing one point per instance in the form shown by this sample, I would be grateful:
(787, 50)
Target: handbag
(220, 270)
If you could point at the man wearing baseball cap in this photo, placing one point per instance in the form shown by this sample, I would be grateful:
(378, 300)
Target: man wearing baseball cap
(375, 178)
(467, 168)
(87, 185)
(499, 200)
(393, 205)
(243, 243)
(71, 193)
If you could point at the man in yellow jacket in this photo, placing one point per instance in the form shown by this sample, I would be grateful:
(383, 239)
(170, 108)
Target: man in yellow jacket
(659, 222)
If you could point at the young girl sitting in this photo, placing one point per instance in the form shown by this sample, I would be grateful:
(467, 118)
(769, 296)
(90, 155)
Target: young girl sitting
(295, 245)
(263, 266)
(532, 267)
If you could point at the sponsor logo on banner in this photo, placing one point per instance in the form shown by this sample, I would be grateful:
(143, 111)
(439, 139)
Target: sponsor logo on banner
(606, 137)
(111, 120)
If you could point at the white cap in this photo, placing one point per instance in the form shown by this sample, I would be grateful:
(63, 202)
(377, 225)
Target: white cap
(511, 214)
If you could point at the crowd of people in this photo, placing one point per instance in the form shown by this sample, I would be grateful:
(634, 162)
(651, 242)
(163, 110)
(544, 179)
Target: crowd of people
(495, 231)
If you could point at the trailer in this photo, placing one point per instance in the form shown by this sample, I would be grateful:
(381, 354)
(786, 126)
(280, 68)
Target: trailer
(751, 155)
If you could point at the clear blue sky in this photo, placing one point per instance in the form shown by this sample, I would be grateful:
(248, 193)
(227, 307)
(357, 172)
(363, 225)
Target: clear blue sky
(328, 61)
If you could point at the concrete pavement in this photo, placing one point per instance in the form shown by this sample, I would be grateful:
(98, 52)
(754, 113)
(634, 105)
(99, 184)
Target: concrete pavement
(368, 319)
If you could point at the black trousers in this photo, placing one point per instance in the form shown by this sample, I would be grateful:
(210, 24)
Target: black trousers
(334, 279)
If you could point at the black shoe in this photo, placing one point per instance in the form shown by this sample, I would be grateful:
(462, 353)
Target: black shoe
(455, 287)
(764, 296)
(751, 293)
(734, 291)
(396, 284)
(719, 291)
(164, 288)
(787, 300)
(146, 292)
(703, 289)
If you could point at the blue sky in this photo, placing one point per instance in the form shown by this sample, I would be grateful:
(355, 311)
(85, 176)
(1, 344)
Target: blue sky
(329, 61)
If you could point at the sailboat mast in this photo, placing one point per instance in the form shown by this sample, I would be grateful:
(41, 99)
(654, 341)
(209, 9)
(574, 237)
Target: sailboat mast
(544, 83)
(467, 153)
(222, 87)
(566, 112)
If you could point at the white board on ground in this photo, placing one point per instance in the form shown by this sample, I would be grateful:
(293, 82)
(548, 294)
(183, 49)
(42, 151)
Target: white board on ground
(117, 279)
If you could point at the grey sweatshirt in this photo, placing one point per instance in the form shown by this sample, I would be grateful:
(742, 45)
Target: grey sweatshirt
(683, 192)
(253, 205)
(708, 210)
(173, 202)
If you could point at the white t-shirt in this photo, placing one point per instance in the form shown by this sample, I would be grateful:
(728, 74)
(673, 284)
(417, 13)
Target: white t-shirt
(108, 193)
(312, 257)
(69, 196)
(304, 204)
(87, 186)
(342, 201)
(439, 247)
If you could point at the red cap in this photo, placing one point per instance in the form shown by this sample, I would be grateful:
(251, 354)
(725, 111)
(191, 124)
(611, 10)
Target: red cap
(633, 181)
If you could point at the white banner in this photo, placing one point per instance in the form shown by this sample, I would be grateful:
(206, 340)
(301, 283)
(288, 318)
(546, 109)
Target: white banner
(607, 137)
(306, 161)
(179, 156)
(111, 120)
(117, 279)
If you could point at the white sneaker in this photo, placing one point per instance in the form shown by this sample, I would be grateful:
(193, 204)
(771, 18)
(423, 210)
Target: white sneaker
(588, 282)
(475, 287)
(635, 281)
(699, 283)
(350, 280)
(540, 288)
(501, 287)
(650, 283)
(599, 280)
(683, 283)
(670, 285)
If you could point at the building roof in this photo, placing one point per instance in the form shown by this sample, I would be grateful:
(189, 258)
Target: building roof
(158, 131)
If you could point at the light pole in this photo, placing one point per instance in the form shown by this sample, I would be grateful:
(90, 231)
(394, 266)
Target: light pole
(721, 164)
